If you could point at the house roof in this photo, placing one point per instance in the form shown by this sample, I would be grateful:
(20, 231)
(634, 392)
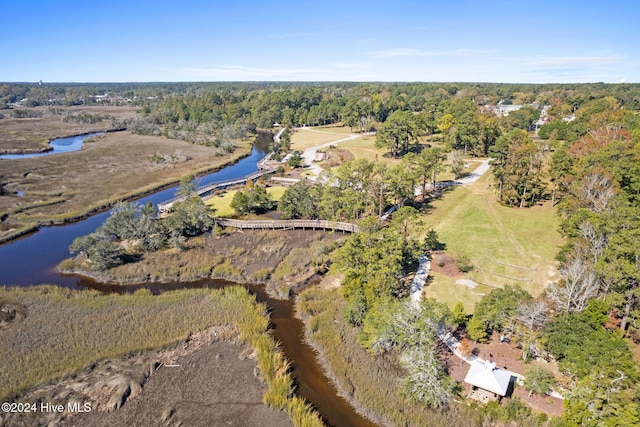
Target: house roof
(486, 376)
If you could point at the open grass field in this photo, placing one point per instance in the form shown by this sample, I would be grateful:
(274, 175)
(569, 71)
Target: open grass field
(444, 289)
(222, 203)
(506, 245)
(117, 165)
(364, 148)
(304, 138)
(35, 133)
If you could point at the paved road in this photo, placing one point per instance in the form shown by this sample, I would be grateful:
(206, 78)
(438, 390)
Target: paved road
(309, 154)
(476, 174)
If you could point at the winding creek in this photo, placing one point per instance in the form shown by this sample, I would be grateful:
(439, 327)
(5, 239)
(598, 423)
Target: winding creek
(31, 260)
(58, 146)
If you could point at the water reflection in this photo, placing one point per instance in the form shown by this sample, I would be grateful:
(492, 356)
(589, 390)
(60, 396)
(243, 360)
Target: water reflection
(59, 145)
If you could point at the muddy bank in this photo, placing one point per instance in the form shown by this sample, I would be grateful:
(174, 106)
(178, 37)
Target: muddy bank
(206, 380)
(27, 150)
(321, 357)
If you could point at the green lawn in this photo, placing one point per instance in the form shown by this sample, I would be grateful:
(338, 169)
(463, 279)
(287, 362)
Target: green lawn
(221, 203)
(302, 139)
(364, 148)
(470, 221)
(445, 289)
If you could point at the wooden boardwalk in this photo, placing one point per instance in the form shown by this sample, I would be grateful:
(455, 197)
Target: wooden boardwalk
(289, 224)
(207, 189)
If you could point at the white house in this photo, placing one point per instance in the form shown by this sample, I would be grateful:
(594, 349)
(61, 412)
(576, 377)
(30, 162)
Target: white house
(487, 381)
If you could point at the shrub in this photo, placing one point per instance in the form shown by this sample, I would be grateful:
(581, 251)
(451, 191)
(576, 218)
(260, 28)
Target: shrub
(463, 262)
(262, 275)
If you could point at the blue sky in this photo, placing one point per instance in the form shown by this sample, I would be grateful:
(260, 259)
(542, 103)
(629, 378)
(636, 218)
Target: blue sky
(508, 41)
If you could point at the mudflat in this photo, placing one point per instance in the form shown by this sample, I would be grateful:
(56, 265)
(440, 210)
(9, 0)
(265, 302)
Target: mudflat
(213, 386)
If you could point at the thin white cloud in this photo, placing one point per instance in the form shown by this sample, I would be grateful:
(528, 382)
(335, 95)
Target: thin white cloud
(353, 65)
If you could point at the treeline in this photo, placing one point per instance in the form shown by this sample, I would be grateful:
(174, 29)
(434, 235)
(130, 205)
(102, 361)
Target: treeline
(528, 170)
(599, 187)
(412, 96)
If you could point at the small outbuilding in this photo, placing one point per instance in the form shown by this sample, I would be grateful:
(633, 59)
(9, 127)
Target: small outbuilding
(488, 382)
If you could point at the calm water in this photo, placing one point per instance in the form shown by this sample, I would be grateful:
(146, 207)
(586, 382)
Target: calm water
(32, 260)
(60, 145)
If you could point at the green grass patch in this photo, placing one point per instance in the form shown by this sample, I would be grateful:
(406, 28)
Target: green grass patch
(364, 148)
(221, 203)
(302, 139)
(445, 289)
(505, 245)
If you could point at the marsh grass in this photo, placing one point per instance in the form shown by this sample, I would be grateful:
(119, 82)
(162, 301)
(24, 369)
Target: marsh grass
(227, 270)
(65, 330)
(302, 263)
(371, 383)
(35, 133)
(262, 275)
(246, 257)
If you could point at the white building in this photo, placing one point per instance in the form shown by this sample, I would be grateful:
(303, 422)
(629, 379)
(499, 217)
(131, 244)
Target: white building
(488, 382)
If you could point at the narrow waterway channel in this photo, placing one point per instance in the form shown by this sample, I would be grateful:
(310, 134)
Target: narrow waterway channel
(31, 260)
(58, 146)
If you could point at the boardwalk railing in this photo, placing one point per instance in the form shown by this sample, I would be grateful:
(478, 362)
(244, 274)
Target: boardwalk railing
(209, 188)
(311, 224)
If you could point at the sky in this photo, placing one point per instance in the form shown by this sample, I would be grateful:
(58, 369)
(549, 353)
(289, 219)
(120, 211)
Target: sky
(511, 41)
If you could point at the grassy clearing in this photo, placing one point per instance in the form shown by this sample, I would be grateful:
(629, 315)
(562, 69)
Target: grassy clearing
(304, 138)
(445, 289)
(506, 245)
(65, 330)
(370, 383)
(222, 202)
(118, 166)
(363, 148)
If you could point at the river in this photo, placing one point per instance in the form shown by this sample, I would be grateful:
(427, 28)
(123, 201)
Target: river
(31, 260)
